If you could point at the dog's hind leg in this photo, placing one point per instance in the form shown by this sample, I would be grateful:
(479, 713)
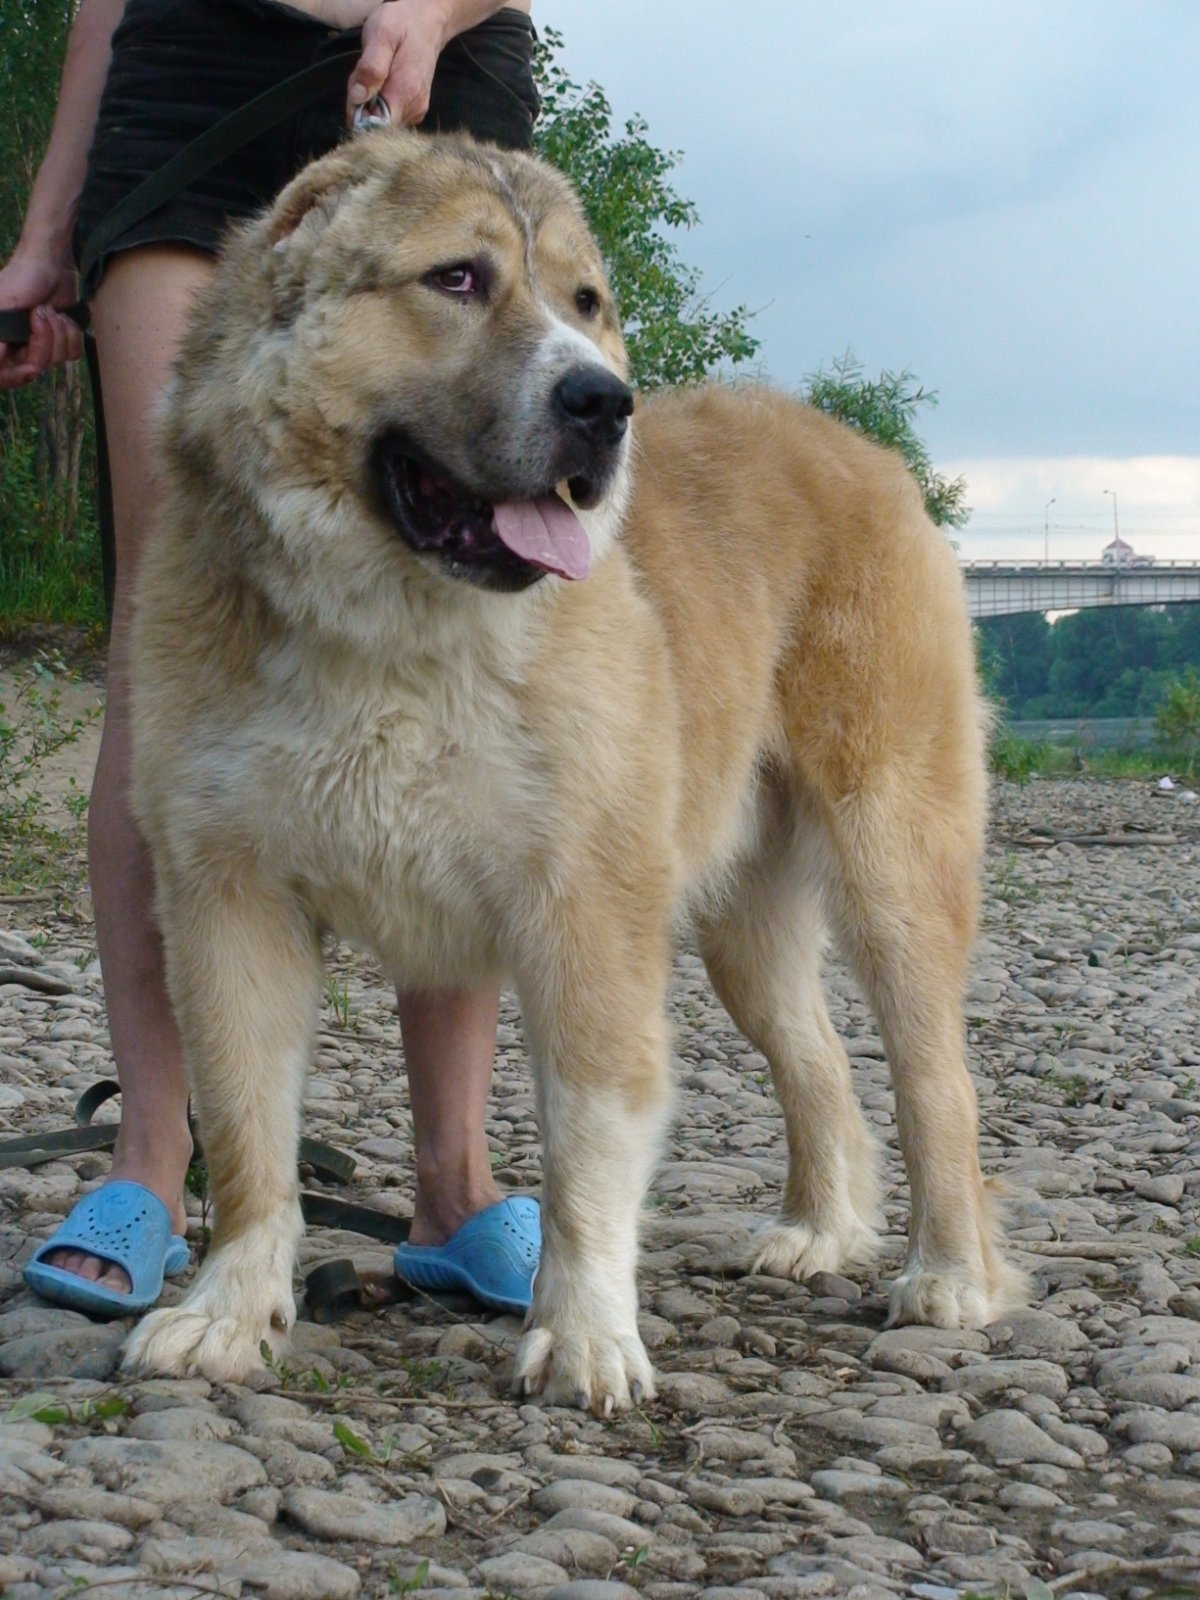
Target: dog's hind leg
(244, 968)
(762, 946)
(904, 891)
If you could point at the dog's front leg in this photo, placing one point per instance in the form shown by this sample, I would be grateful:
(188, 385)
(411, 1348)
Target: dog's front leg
(599, 1040)
(243, 965)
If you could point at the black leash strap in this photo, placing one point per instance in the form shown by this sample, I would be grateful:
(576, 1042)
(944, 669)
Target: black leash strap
(330, 1164)
(206, 151)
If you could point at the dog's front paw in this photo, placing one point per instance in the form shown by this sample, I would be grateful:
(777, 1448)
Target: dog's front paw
(956, 1296)
(192, 1340)
(941, 1298)
(597, 1371)
(798, 1250)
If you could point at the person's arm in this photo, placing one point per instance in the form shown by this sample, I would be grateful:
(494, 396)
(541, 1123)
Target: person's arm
(40, 275)
(402, 40)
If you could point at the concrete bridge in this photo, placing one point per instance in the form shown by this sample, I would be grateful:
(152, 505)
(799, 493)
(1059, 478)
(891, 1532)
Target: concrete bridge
(1000, 588)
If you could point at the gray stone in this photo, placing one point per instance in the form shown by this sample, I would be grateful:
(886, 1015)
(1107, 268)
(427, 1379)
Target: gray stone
(75, 1352)
(623, 1533)
(341, 1516)
(97, 1505)
(985, 1379)
(38, 1318)
(1147, 1457)
(856, 1428)
(592, 1589)
(167, 1471)
(521, 1575)
(692, 1391)
(90, 1541)
(1012, 1437)
(295, 1575)
(181, 1422)
(1028, 1497)
(930, 1341)
(1166, 1190)
(1172, 1390)
(1179, 1431)
(581, 1493)
(576, 1548)
(599, 1469)
(1036, 1333)
(727, 1499)
(859, 1486)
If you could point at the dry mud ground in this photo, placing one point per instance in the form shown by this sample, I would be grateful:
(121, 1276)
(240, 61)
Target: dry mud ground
(797, 1447)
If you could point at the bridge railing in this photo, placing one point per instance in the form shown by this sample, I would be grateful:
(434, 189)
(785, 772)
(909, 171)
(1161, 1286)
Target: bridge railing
(1122, 568)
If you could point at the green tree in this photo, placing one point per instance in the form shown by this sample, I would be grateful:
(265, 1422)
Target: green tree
(1096, 649)
(672, 333)
(884, 407)
(49, 562)
(1177, 719)
(1017, 651)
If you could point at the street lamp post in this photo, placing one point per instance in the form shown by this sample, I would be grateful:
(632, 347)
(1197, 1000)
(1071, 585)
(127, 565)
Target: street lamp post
(1046, 514)
(1116, 528)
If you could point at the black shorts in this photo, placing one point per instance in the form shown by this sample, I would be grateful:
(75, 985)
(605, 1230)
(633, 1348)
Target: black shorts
(178, 66)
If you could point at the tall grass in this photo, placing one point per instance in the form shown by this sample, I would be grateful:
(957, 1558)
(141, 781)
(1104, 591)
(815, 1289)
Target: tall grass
(49, 554)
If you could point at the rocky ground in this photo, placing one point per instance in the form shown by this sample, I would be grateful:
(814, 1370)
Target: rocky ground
(797, 1448)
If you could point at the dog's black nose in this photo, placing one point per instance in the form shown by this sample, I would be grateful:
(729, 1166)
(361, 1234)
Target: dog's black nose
(595, 401)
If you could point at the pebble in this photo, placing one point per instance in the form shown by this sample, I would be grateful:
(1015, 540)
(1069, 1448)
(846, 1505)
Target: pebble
(1010, 1437)
(87, 1352)
(519, 1574)
(342, 1516)
(583, 1493)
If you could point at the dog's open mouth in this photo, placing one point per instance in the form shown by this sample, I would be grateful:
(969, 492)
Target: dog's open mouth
(507, 544)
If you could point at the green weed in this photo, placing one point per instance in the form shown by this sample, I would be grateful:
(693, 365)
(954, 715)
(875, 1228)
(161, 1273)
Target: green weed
(48, 1408)
(337, 997)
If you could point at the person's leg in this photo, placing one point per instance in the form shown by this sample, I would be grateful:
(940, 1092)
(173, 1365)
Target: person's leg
(449, 1042)
(138, 315)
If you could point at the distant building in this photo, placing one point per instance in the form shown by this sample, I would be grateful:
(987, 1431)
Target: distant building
(1120, 554)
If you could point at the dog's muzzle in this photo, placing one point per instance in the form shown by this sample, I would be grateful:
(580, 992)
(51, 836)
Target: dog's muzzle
(506, 544)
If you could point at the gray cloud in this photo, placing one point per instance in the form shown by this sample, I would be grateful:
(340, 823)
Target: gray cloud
(1005, 198)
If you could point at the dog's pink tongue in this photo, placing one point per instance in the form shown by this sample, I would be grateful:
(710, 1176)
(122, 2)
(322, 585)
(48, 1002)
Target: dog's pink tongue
(546, 533)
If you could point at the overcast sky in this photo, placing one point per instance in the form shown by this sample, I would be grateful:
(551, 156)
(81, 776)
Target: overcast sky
(1004, 198)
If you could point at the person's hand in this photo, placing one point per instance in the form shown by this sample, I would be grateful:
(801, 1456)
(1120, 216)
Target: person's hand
(401, 44)
(38, 284)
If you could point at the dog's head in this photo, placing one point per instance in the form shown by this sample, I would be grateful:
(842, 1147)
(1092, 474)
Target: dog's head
(413, 365)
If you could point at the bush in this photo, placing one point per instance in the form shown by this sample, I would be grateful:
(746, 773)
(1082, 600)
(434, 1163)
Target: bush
(1177, 718)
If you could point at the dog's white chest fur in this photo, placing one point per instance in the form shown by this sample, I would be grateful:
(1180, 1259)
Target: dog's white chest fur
(388, 803)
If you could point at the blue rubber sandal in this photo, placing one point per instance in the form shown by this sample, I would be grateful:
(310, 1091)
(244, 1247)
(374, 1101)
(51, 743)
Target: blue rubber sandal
(121, 1222)
(493, 1256)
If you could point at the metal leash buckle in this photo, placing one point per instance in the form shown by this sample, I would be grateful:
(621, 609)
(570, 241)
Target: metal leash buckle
(373, 113)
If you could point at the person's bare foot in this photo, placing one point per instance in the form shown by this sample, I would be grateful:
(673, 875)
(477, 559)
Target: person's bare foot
(445, 1200)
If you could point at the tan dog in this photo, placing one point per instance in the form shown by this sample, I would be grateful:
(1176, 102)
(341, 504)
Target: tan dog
(377, 695)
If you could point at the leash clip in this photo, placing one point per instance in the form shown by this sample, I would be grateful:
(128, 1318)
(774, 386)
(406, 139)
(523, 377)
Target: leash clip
(373, 113)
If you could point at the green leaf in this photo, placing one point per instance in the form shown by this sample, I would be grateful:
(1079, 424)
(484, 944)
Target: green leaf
(109, 1406)
(349, 1440)
(40, 1406)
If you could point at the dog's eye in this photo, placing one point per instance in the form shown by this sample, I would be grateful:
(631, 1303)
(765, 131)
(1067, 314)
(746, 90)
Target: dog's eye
(587, 302)
(463, 278)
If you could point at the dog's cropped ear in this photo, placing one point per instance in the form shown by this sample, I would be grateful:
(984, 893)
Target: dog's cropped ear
(305, 209)
(312, 197)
